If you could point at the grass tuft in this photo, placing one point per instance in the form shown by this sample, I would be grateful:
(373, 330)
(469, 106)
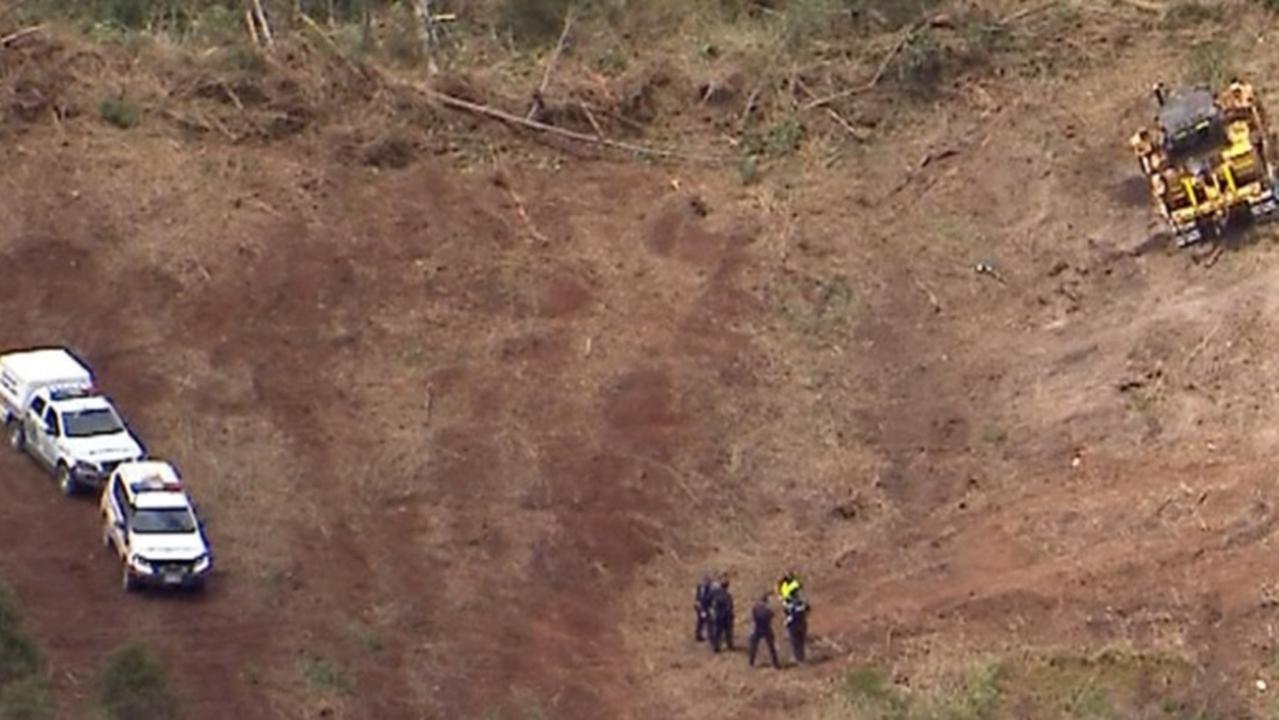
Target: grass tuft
(120, 112)
(324, 674)
(134, 684)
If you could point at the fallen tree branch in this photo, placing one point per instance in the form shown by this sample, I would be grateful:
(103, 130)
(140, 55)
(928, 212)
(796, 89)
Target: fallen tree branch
(932, 296)
(457, 103)
(551, 63)
(1026, 12)
(858, 135)
(746, 111)
(426, 23)
(11, 38)
(253, 26)
(359, 70)
(264, 27)
(590, 117)
(1157, 8)
(879, 71)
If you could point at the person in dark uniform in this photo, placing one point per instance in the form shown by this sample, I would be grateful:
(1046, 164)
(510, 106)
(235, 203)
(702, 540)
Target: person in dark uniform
(702, 606)
(762, 614)
(721, 616)
(797, 624)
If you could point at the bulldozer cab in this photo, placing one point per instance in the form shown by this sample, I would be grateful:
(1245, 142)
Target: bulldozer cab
(1192, 122)
(1207, 160)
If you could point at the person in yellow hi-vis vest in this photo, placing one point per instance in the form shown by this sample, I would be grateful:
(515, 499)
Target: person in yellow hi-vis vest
(796, 609)
(788, 586)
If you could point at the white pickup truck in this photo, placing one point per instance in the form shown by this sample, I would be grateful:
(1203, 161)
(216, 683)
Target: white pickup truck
(50, 410)
(150, 523)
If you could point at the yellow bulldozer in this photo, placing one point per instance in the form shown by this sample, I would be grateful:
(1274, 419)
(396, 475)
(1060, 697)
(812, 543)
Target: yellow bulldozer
(1208, 159)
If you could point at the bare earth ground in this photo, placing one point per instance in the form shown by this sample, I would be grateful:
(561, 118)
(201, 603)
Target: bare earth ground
(469, 433)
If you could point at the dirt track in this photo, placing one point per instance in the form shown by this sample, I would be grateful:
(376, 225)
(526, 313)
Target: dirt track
(469, 434)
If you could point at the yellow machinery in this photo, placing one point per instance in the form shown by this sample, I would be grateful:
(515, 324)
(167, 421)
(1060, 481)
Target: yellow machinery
(1208, 159)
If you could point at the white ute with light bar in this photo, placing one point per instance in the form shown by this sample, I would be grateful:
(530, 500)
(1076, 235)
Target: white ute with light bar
(50, 409)
(151, 525)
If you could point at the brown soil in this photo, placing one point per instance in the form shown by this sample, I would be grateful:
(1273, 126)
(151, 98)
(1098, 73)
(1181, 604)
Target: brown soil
(469, 429)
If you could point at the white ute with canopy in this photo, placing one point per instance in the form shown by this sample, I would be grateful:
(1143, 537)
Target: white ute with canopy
(51, 410)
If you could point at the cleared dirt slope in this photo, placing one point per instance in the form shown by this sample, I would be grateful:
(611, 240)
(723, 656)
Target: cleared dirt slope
(467, 431)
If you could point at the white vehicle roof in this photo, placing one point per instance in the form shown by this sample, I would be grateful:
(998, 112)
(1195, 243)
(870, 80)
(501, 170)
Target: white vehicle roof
(81, 404)
(46, 366)
(152, 484)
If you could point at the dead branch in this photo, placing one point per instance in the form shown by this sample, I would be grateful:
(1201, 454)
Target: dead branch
(358, 70)
(11, 38)
(204, 124)
(264, 27)
(457, 103)
(858, 135)
(430, 40)
(1026, 12)
(1203, 343)
(614, 116)
(551, 63)
(746, 111)
(879, 71)
(521, 209)
(253, 26)
(1157, 8)
(230, 93)
(590, 117)
(932, 296)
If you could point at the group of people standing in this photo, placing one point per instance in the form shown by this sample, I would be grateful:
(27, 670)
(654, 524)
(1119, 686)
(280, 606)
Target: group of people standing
(714, 606)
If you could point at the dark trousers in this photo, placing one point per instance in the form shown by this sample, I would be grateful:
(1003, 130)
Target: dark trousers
(772, 647)
(798, 632)
(703, 625)
(722, 633)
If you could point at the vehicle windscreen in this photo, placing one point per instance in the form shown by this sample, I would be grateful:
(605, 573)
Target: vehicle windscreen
(169, 520)
(87, 423)
(1207, 135)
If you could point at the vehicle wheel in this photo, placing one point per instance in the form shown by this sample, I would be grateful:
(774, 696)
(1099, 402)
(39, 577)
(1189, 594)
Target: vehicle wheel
(66, 481)
(128, 582)
(17, 436)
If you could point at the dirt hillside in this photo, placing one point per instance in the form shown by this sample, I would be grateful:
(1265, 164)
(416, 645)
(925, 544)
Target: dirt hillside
(469, 410)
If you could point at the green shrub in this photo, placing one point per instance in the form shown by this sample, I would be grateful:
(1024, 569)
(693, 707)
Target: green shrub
(1188, 13)
(334, 10)
(748, 169)
(244, 59)
(26, 699)
(984, 38)
(402, 38)
(533, 22)
(869, 692)
(1210, 64)
(781, 138)
(976, 698)
(921, 61)
(218, 25)
(134, 684)
(130, 14)
(896, 13)
(369, 637)
(120, 112)
(324, 674)
(19, 657)
(808, 21)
